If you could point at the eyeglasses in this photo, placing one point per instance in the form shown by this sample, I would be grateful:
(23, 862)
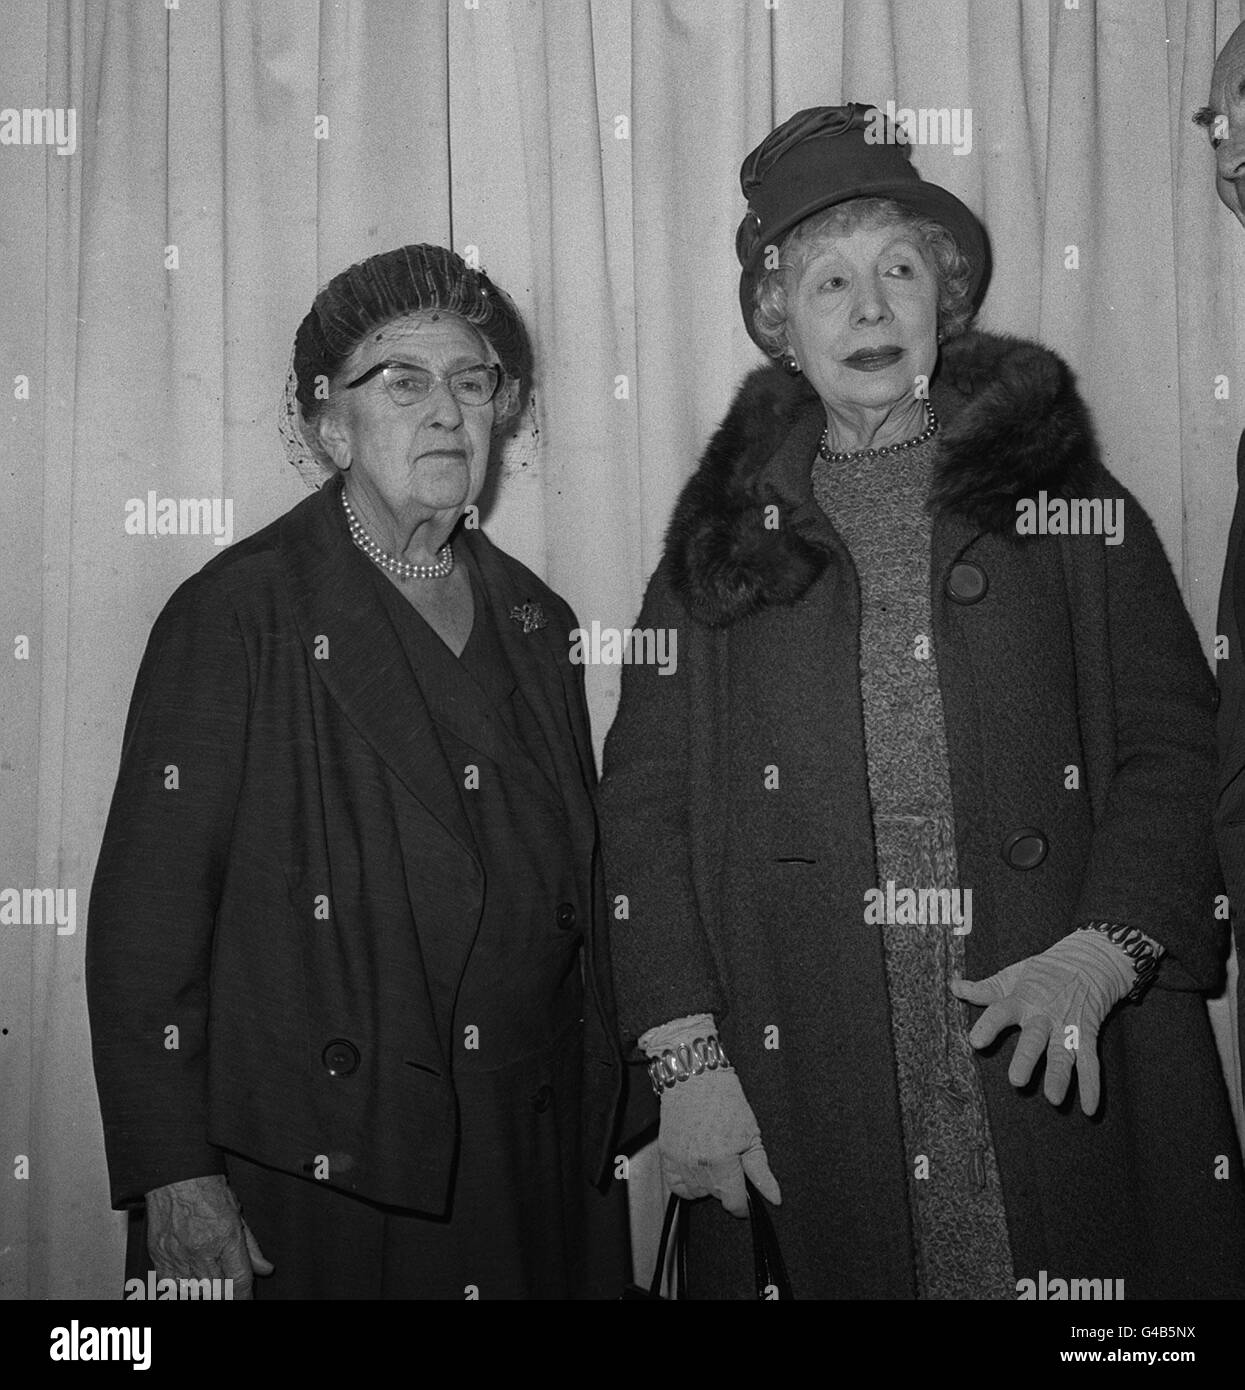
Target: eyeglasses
(408, 385)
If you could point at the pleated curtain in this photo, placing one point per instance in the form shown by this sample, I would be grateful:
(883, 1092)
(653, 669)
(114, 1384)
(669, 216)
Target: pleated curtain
(232, 155)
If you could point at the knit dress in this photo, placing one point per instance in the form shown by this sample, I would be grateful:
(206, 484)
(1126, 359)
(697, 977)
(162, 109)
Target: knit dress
(959, 1224)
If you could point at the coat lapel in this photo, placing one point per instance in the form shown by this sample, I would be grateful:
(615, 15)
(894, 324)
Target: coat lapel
(351, 645)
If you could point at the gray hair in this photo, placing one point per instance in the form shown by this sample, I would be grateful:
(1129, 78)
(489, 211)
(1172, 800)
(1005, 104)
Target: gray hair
(953, 271)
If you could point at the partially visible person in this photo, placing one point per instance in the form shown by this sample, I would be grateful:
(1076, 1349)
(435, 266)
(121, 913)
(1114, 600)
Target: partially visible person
(349, 990)
(1224, 122)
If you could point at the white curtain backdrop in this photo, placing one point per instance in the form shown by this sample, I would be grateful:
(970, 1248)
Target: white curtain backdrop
(233, 154)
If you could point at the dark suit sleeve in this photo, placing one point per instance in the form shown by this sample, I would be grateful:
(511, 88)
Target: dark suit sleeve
(1230, 811)
(156, 890)
(1152, 864)
(663, 966)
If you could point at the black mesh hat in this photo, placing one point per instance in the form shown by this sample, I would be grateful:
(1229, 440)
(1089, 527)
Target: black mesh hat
(382, 288)
(827, 155)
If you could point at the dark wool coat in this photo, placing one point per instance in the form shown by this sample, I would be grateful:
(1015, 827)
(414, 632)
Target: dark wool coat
(748, 902)
(310, 775)
(1230, 669)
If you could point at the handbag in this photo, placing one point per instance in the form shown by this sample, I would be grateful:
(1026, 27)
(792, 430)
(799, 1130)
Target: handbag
(769, 1271)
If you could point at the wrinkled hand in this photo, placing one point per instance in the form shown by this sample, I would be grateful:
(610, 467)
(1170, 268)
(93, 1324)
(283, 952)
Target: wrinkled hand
(708, 1139)
(195, 1230)
(1060, 999)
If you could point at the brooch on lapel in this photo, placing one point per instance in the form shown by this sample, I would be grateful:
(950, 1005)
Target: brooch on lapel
(530, 615)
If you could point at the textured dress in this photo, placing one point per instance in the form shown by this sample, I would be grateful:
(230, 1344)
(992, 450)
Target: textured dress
(959, 1224)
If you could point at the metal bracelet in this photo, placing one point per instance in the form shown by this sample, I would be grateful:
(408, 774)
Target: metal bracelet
(687, 1060)
(1139, 949)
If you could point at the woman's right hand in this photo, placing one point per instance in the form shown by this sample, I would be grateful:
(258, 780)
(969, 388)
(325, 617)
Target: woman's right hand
(709, 1141)
(708, 1137)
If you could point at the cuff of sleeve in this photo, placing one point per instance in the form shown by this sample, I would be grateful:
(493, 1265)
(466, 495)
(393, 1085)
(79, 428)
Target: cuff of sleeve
(1143, 952)
(132, 1189)
(678, 1030)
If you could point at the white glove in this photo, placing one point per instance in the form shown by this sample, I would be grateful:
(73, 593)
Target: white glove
(708, 1139)
(1060, 999)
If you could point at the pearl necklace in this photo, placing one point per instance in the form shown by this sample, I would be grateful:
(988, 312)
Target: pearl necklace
(402, 568)
(835, 456)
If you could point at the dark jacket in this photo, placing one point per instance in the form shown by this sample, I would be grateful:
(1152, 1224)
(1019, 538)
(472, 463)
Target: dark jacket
(285, 844)
(746, 900)
(1230, 670)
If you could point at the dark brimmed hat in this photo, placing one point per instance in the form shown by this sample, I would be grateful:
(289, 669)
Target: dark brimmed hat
(828, 155)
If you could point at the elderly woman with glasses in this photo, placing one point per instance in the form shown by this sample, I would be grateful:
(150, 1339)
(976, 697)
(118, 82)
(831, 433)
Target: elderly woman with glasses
(936, 765)
(345, 966)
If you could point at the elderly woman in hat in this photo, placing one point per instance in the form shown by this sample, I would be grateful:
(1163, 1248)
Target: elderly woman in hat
(932, 768)
(345, 971)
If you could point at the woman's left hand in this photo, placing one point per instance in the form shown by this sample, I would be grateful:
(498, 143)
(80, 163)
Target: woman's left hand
(1059, 999)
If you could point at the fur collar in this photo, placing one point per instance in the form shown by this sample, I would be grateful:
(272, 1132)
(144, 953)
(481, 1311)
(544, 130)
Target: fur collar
(1012, 424)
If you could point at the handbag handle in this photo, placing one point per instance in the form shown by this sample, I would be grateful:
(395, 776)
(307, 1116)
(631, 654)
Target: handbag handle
(674, 1214)
(768, 1265)
(769, 1269)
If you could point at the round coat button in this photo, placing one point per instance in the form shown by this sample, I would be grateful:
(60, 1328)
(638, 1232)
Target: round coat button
(967, 582)
(542, 1100)
(340, 1057)
(1214, 698)
(1025, 849)
(566, 916)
